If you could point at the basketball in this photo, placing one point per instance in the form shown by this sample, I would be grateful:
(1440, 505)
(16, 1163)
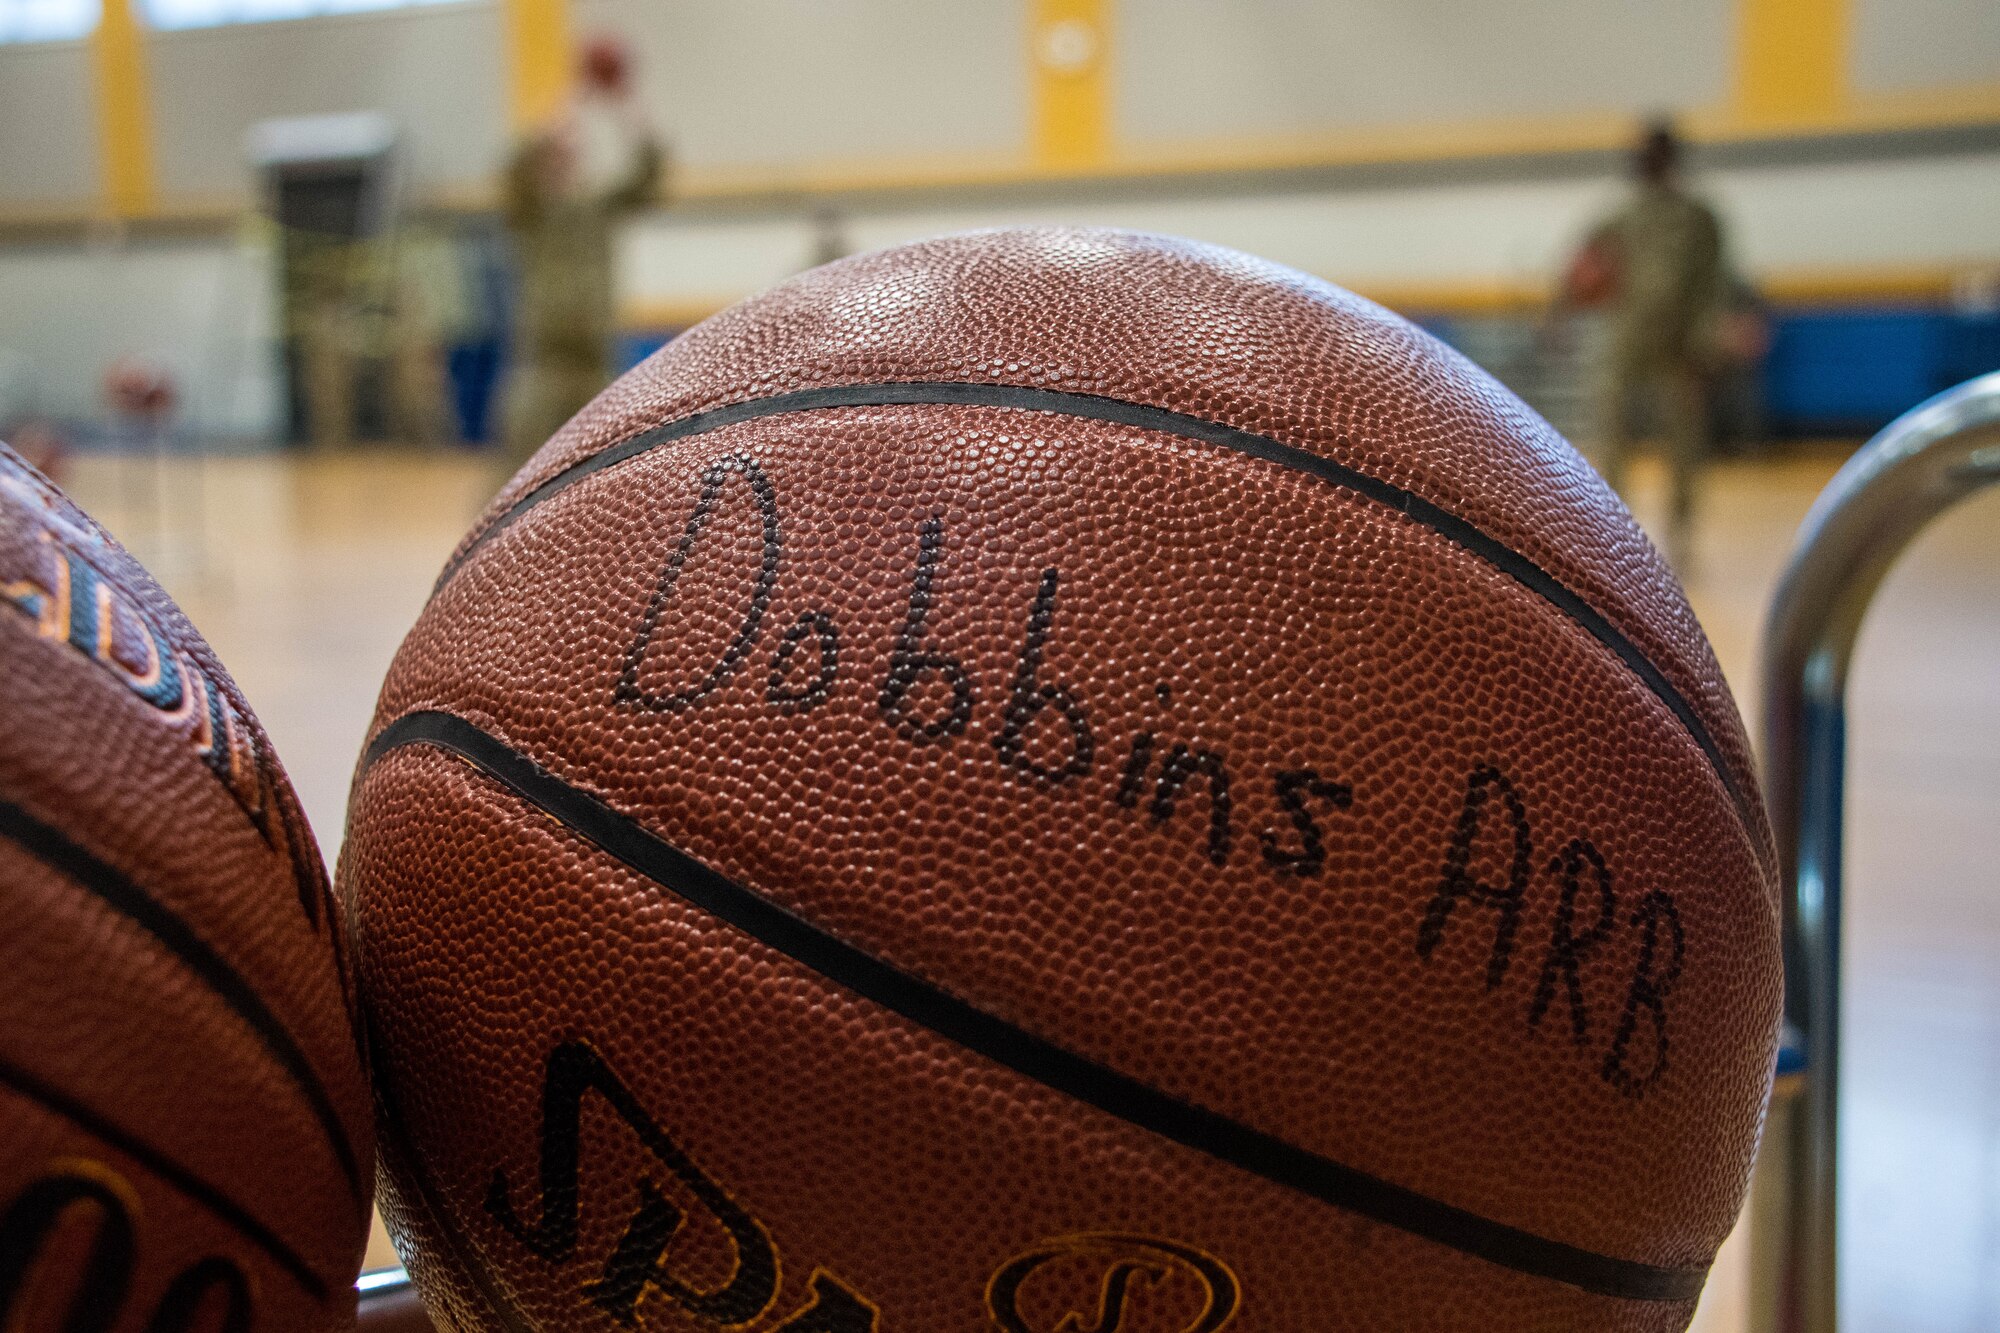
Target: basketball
(136, 389)
(606, 64)
(1049, 780)
(186, 1139)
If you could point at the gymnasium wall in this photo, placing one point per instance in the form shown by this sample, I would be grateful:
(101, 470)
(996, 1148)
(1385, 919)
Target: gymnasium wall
(1440, 155)
(748, 86)
(48, 143)
(431, 69)
(1455, 240)
(1906, 45)
(1195, 69)
(201, 307)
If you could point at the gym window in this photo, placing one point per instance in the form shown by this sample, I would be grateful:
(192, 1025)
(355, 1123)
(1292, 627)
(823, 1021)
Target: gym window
(170, 15)
(46, 20)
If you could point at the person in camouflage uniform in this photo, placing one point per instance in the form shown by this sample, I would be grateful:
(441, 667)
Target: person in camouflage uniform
(317, 281)
(1661, 255)
(427, 311)
(563, 227)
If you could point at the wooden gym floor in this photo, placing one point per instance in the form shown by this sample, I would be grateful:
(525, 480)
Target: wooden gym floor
(304, 573)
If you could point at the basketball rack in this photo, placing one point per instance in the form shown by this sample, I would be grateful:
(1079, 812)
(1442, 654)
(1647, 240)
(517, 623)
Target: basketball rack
(1920, 465)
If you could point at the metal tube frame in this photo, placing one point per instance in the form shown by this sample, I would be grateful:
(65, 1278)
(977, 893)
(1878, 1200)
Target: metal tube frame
(386, 1302)
(1920, 465)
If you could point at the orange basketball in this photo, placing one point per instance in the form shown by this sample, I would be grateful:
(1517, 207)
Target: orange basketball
(185, 1137)
(1594, 276)
(1054, 780)
(606, 63)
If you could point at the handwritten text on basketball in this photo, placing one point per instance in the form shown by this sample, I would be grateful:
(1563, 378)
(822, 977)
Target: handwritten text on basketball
(1040, 731)
(1043, 733)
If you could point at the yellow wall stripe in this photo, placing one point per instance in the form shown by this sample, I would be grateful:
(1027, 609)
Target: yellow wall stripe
(1791, 59)
(540, 59)
(1069, 55)
(124, 112)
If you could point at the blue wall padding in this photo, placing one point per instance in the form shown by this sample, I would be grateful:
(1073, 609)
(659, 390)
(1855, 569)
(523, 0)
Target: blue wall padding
(1849, 371)
(636, 347)
(474, 369)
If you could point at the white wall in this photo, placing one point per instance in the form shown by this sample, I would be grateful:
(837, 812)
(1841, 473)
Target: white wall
(775, 84)
(1189, 69)
(48, 141)
(1909, 212)
(433, 69)
(1918, 44)
(202, 309)
(1912, 212)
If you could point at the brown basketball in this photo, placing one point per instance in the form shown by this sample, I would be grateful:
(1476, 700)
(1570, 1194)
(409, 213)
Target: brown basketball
(606, 63)
(1061, 780)
(185, 1138)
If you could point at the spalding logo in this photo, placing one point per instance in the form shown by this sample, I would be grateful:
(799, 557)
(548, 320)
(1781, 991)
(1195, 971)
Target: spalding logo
(68, 600)
(1105, 1282)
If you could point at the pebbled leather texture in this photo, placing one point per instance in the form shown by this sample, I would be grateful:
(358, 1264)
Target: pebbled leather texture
(187, 1120)
(1222, 817)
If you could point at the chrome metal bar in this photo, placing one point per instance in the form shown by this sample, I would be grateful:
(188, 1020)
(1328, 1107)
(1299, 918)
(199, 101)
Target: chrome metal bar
(1921, 464)
(387, 1303)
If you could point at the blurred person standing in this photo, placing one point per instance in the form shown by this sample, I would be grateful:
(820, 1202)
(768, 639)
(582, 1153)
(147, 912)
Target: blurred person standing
(1656, 265)
(429, 313)
(568, 188)
(323, 333)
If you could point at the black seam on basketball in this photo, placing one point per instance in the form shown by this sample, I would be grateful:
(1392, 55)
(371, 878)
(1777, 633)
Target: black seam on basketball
(182, 1179)
(945, 1014)
(54, 849)
(1093, 407)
